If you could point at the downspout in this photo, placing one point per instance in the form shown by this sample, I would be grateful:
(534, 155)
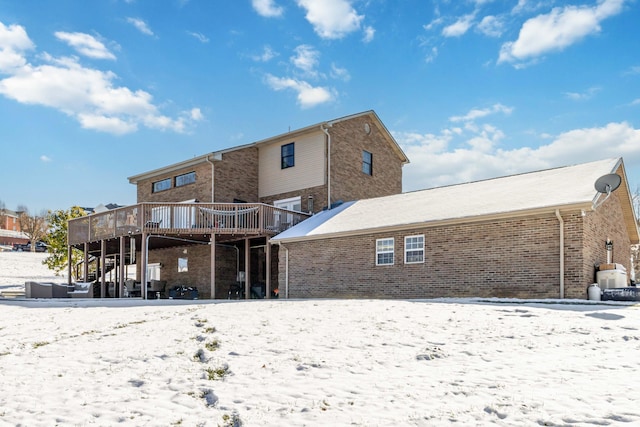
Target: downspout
(286, 270)
(326, 131)
(561, 222)
(212, 178)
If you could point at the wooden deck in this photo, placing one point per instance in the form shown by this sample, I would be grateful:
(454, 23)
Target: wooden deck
(230, 219)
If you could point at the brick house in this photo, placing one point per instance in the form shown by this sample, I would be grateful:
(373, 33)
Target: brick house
(206, 222)
(535, 235)
(10, 231)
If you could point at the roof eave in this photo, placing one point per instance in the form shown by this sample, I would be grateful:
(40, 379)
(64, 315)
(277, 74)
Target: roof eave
(442, 222)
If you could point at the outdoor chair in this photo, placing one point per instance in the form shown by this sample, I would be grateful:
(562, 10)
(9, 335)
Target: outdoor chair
(156, 289)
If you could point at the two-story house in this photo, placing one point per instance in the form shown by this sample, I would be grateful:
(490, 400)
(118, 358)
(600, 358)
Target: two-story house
(206, 222)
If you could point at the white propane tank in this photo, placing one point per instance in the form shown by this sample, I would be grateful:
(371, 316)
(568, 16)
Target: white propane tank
(593, 292)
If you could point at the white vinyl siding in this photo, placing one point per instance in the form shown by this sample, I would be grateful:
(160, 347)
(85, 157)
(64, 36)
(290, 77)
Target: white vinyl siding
(308, 171)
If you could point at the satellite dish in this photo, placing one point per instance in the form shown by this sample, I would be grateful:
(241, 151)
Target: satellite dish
(608, 183)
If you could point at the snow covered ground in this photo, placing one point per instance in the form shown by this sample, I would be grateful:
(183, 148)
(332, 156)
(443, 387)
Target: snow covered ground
(314, 362)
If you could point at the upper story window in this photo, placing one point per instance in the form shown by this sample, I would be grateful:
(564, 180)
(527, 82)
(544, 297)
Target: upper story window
(414, 249)
(367, 162)
(384, 251)
(187, 178)
(163, 185)
(287, 156)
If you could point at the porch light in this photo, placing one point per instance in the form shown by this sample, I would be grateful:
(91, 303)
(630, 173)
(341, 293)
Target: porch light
(310, 204)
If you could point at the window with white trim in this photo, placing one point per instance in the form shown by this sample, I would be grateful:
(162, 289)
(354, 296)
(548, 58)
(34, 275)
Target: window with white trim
(414, 249)
(384, 251)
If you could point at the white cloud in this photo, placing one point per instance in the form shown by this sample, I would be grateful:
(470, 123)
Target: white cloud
(140, 26)
(458, 28)
(267, 8)
(14, 41)
(555, 31)
(86, 45)
(479, 113)
(479, 156)
(267, 55)
(331, 19)
(308, 96)
(306, 59)
(491, 26)
(369, 33)
(340, 73)
(201, 37)
(432, 55)
(196, 114)
(86, 94)
(582, 96)
(45, 159)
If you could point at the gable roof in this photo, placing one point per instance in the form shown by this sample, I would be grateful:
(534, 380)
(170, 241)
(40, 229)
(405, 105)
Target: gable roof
(217, 155)
(523, 194)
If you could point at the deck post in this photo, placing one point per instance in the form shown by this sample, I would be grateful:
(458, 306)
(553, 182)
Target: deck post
(69, 263)
(213, 266)
(85, 264)
(247, 268)
(143, 265)
(121, 267)
(267, 255)
(103, 265)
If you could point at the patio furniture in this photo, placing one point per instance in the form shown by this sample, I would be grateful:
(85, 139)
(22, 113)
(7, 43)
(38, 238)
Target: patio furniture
(156, 288)
(82, 290)
(38, 290)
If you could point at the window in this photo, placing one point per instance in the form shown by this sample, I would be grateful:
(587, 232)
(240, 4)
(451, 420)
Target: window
(384, 251)
(165, 184)
(367, 162)
(187, 178)
(413, 249)
(287, 155)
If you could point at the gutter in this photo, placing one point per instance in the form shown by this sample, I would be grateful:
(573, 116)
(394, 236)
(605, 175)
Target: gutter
(561, 222)
(213, 179)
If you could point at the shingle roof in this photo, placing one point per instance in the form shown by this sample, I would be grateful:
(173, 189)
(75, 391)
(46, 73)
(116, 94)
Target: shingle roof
(551, 189)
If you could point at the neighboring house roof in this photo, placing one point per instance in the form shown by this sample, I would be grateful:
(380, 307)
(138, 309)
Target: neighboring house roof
(523, 194)
(217, 155)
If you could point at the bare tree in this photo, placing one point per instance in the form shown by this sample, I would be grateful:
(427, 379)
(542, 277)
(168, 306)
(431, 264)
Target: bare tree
(34, 226)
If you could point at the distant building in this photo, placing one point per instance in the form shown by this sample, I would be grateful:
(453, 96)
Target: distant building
(10, 232)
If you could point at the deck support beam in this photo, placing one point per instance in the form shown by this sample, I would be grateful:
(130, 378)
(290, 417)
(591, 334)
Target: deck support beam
(103, 265)
(121, 267)
(213, 265)
(267, 273)
(143, 265)
(247, 268)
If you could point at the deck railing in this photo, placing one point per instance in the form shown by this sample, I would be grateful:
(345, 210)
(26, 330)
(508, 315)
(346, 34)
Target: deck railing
(180, 218)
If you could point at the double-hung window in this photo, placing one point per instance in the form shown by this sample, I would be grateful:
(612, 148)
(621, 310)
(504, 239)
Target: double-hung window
(414, 249)
(367, 162)
(384, 251)
(287, 156)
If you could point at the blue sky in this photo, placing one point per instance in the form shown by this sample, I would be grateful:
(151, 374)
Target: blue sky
(94, 92)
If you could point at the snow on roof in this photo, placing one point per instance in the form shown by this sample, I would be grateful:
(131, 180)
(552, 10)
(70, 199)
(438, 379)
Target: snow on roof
(552, 188)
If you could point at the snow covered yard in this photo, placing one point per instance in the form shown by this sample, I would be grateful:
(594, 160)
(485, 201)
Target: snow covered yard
(317, 362)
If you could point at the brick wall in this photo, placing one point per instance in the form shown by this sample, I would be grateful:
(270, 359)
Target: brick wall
(601, 224)
(200, 190)
(348, 182)
(510, 258)
(237, 176)
(199, 268)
